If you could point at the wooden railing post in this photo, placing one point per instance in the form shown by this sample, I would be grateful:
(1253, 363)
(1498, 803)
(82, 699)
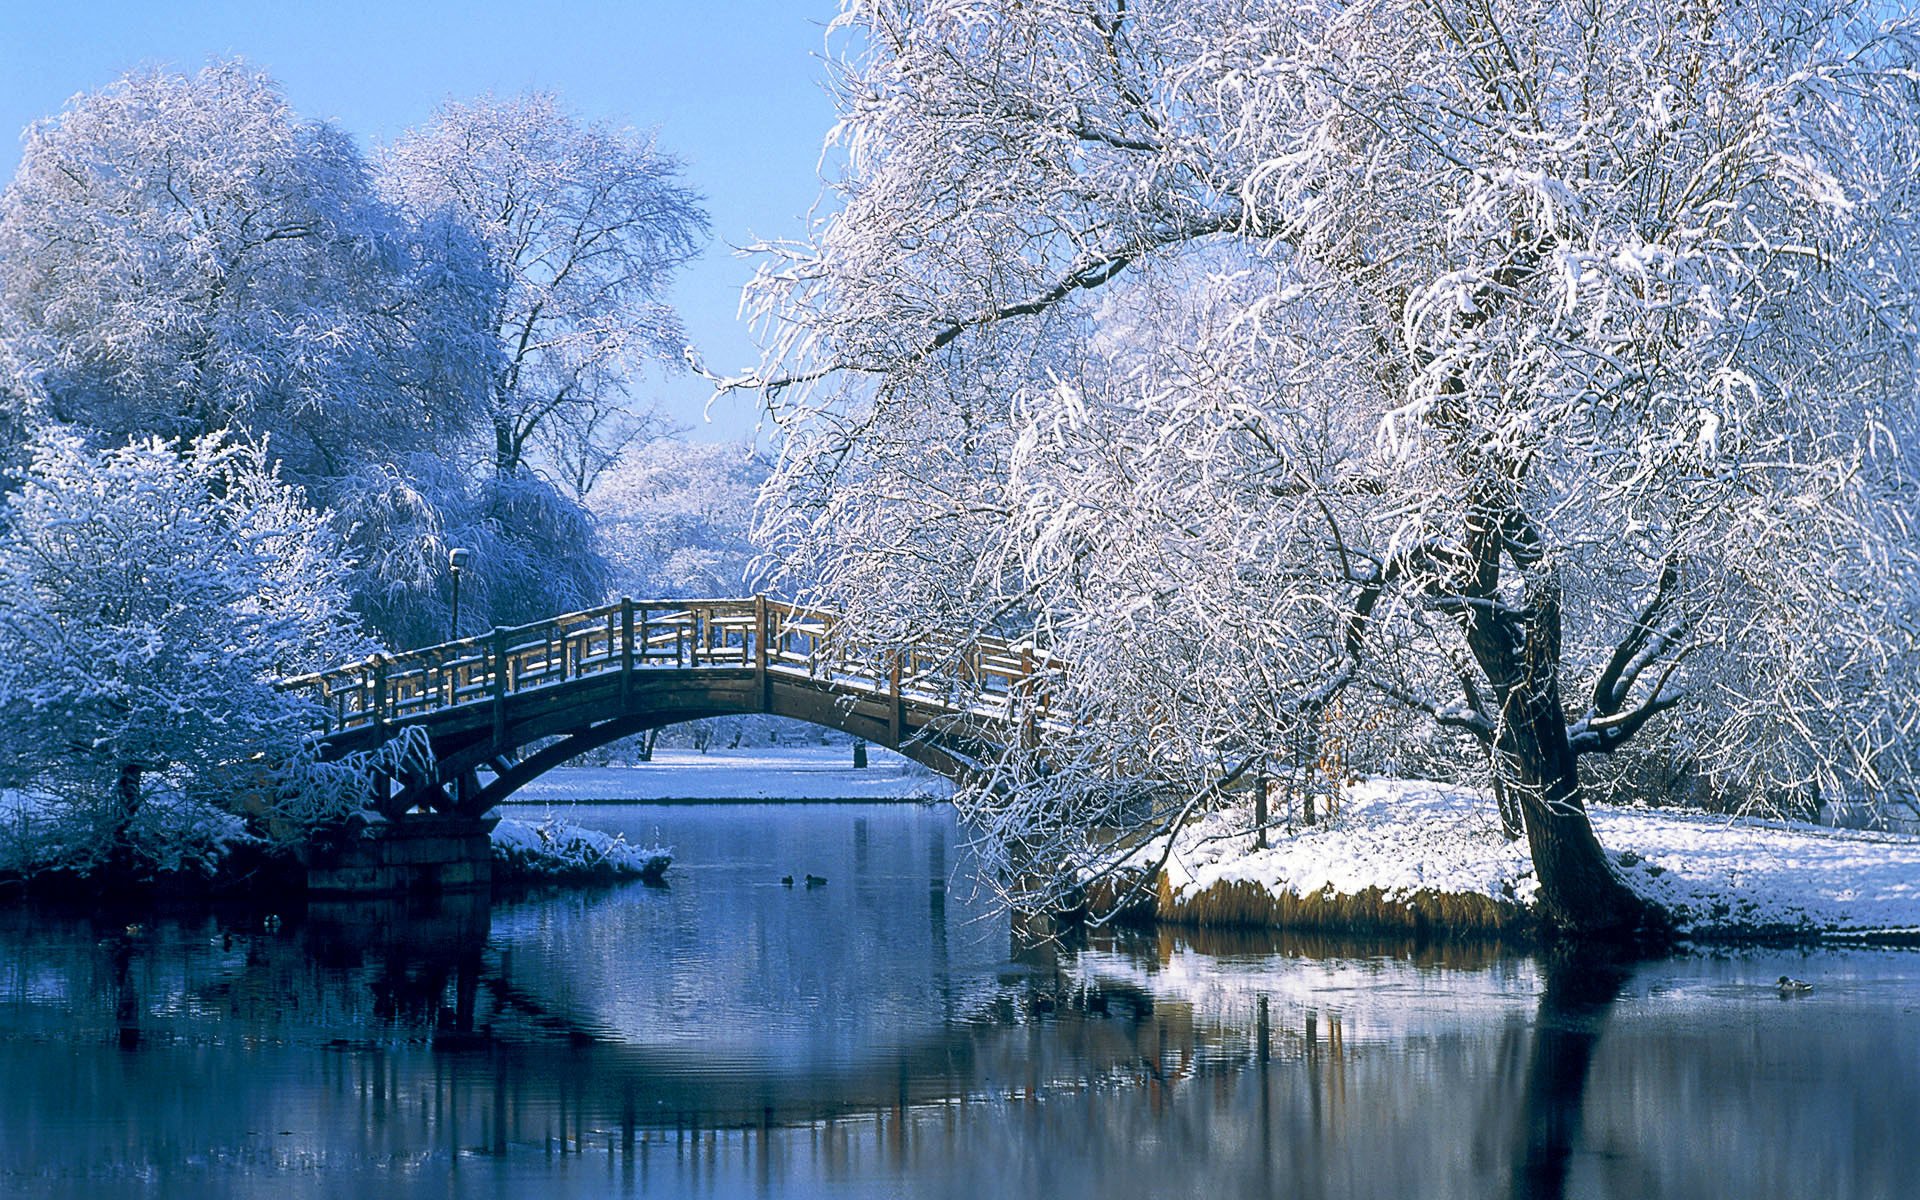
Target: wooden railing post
(379, 689)
(896, 708)
(760, 629)
(626, 652)
(498, 651)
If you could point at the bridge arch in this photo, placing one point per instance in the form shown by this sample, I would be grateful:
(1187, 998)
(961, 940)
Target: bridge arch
(503, 708)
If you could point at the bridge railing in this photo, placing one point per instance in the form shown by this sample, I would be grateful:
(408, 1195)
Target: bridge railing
(982, 675)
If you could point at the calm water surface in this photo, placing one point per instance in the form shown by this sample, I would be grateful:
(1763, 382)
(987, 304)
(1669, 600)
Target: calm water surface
(886, 1034)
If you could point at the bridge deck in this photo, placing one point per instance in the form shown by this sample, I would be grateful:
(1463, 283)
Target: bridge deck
(982, 677)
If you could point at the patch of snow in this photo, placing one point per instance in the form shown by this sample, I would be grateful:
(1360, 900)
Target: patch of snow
(762, 773)
(554, 849)
(1400, 836)
(1717, 874)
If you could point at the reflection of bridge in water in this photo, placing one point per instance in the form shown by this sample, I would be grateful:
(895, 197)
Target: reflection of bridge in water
(542, 1065)
(501, 708)
(454, 1036)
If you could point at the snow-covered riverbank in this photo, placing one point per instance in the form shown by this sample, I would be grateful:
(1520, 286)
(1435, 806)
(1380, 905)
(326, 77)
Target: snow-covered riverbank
(814, 773)
(556, 851)
(1412, 845)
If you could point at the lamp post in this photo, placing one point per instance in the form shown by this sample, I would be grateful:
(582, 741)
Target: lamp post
(457, 560)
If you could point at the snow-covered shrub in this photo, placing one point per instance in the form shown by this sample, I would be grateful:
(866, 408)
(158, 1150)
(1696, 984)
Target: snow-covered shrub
(312, 793)
(552, 850)
(176, 832)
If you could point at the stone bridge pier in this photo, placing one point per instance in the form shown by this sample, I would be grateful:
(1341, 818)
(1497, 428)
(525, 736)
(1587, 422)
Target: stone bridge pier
(417, 854)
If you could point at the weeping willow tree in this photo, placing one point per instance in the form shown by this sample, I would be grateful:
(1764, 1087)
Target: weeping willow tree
(1541, 369)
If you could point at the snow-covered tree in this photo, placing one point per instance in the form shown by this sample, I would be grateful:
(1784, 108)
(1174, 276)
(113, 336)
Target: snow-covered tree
(1542, 368)
(181, 254)
(534, 552)
(676, 519)
(585, 224)
(150, 597)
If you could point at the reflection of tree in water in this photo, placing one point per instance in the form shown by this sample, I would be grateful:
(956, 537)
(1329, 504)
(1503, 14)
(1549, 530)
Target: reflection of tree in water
(126, 997)
(1581, 986)
(419, 959)
(1277, 1065)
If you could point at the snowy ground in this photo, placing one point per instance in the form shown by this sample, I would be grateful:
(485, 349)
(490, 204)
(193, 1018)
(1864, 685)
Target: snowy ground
(763, 773)
(1719, 875)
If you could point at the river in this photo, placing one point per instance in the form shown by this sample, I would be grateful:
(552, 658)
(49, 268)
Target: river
(886, 1033)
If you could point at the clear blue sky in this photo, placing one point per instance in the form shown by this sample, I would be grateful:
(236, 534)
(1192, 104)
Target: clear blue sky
(732, 85)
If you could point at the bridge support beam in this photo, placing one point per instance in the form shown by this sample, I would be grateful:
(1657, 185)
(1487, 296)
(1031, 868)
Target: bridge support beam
(415, 854)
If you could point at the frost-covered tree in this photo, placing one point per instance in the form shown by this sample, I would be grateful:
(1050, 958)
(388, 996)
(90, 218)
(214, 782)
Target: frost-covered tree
(181, 254)
(585, 224)
(676, 519)
(1541, 368)
(150, 597)
(534, 552)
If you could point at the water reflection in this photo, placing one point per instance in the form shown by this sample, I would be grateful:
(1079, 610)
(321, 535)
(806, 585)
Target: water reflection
(1581, 986)
(889, 1035)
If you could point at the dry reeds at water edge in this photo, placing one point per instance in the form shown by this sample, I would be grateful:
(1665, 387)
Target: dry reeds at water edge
(1245, 904)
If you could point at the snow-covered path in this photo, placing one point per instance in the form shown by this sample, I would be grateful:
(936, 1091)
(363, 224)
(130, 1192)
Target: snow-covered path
(775, 773)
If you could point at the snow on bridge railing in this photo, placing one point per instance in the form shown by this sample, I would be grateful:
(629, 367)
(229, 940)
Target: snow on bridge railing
(983, 675)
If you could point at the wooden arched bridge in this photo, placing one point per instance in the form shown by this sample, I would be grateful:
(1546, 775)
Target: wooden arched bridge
(502, 708)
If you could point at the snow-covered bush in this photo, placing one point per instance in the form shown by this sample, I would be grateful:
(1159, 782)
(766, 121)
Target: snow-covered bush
(554, 851)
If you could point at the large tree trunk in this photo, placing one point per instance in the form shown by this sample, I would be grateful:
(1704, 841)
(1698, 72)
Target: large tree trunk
(1579, 892)
(1513, 826)
(506, 448)
(127, 794)
(1518, 649)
